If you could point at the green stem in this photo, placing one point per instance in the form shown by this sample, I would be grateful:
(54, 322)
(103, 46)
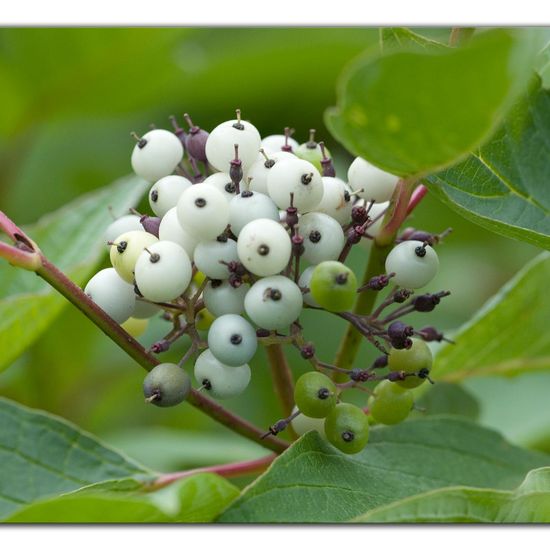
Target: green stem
(282, 377)
(460, 35)
(58, 280)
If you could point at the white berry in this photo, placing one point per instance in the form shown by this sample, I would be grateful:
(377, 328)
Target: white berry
(323, 237)
(264, 247)
(303, 282)
(163, 271)
(259, 171)
(249, 206)
(219, 380)
(298, 177)
(156, 155)
(232, 340)
(203, 211)
(413, 263)
(209, 255)
(171, 230)
(220, 298)
(220, 145)
(222, 182)
(374, 184)
(274, 303)
(112, 294)
(122, 225)
(276, 142)
(337, 201)
(165, 194)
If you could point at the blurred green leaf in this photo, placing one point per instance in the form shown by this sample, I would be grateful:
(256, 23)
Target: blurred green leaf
(71, 238)
(529, 503)
(313, 482)
(43, 455)
(442, 398)
(102, 508)
(412, 112)
(203, 497)
(165, 449)
(508, 336)
(503, 186)
(401, 37)
(196, 499)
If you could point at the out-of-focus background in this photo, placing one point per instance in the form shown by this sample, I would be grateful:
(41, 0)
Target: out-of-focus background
(68, 101)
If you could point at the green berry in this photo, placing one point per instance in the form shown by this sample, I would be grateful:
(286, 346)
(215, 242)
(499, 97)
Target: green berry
(347, 428)
(333, 286)
(418, 358)
(390, 403)
(315, 394)
(166, 385)
(311, 151)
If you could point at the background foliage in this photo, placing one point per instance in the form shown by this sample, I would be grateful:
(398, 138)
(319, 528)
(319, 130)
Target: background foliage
(64, 131)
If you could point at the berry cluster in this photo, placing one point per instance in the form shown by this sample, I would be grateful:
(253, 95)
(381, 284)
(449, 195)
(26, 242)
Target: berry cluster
(245, 233)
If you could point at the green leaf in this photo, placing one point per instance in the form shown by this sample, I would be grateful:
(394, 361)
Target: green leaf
(401, 37)
(445, 398)
(313, 482)
(503, 186)
(415, 111)
(196, 499)
(529, 503)
(43, 455)
(508, 335)
(103, 508)
(203, 497)
(71, 238)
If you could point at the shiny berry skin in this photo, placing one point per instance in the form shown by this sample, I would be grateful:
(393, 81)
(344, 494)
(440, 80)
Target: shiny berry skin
(414, 263)
(166, 193)
(156, 155)
(264, 247)
(209, 255)
(121, 225)
(112, 294)
(219, 380)
(166, 385)
(232, 340)
(337, 201)
(333, 286)
(125, 252)
(347, 428)
(302, 424)
(315, 394)
(323, 237)
(203, 211)
(249, 206)
(298, 177)
(273, 303)
(390, 403)
(376, 184)
(221, 298)
(163, 271)
(412, 360)
(171, 230)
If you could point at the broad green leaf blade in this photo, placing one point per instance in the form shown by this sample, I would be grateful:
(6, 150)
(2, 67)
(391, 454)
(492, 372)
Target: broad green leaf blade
(43, 455)
(71, 238)
(504, 186)
(203, 497)
(401, 37)
(509, 334)
(104, 508)
(529, 503)
(412, 112)
(197, 499)
(313, 482)
(442, 398)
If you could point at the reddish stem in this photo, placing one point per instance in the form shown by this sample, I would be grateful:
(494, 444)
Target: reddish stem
(58, 280)
(235, 469)
(418, 194)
